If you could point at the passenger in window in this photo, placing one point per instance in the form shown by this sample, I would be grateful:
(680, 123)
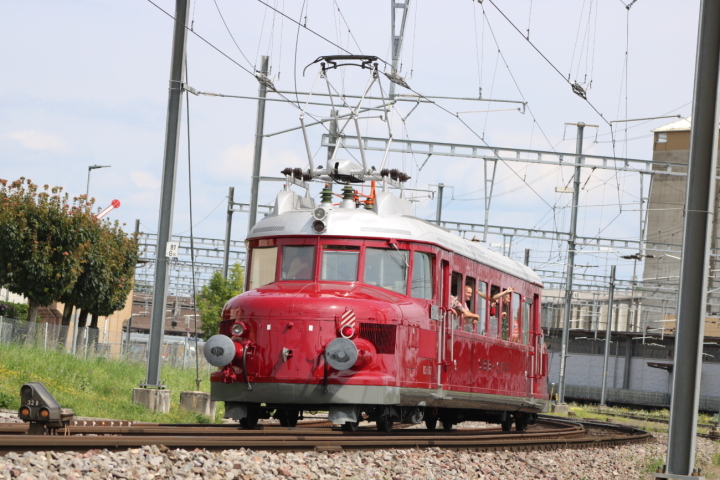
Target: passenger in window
(494, 306)
(470, 319)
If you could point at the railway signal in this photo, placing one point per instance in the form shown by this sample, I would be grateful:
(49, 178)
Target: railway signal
(41, 410)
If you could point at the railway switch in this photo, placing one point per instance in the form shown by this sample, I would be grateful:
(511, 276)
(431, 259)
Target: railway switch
(39, 408)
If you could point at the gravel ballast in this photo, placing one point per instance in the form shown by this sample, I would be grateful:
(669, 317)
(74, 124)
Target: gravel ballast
(159, 462)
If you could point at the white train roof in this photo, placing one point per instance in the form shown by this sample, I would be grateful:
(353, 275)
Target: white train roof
(390, 218)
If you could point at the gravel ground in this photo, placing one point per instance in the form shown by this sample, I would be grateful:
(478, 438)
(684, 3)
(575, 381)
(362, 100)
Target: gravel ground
(626, 462)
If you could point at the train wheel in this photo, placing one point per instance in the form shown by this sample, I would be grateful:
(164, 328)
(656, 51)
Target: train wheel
(431, 423)
(507, 424)
(350, 426)
(447, 425)
(288, 417)
(250, 422)
(384, 425)
(521, 423)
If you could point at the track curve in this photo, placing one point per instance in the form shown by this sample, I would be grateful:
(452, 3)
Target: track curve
(549, 433)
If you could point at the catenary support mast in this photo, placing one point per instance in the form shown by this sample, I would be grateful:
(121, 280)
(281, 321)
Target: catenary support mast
(697, 229)
(570, 264)
(259, 128)
(167, 192)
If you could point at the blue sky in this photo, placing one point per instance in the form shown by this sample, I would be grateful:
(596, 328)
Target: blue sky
(85, 82)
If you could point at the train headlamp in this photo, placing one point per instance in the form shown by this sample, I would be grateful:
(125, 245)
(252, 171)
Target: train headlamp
(319, 226)
(237, 329)
(320, 213)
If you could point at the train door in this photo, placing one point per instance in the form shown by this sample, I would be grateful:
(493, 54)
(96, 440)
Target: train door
(538, 360)
(444, 287)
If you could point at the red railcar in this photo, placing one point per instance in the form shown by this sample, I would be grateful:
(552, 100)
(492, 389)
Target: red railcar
(348, 310)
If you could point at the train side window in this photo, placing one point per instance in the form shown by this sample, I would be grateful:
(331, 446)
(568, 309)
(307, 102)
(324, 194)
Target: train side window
(494, 312)
(515, 337)
(340, 263)
(387, 269)
(456, 291)
(482, 307)
(262, 266)
(504, 303)
(297, 262)
(526, 321)
(422, 279)
(469, 323)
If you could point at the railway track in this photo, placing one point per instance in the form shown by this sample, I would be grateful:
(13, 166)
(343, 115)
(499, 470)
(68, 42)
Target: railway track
(549, 433)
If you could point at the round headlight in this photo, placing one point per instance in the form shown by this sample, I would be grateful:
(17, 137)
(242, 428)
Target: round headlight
(237, 329)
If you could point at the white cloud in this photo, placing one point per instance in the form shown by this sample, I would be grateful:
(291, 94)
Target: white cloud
(145, 180)
(35, 140)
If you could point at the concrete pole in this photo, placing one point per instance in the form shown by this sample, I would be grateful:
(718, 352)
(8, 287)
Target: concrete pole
(700, 203)
(438, 214)
(611, 293)
(167, 193)
(571, 264)
(259, 127)
(228, 229)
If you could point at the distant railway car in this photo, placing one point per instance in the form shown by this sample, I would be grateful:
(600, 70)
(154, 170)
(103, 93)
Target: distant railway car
(353, 309)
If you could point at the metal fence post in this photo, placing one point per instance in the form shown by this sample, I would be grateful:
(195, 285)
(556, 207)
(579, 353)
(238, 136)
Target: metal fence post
(45, 338)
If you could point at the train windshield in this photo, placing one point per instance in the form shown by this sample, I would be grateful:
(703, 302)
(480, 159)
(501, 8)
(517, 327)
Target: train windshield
(297, 262)
(262, 266)
(387, 269)
(340, 263)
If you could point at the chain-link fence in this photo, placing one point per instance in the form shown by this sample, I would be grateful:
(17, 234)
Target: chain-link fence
(84, 342)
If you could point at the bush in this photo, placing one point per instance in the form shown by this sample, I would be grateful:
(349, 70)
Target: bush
(14, 310)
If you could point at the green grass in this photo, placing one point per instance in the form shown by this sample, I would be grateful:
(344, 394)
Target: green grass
(97, 388)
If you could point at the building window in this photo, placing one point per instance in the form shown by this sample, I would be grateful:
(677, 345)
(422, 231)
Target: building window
(661, 138)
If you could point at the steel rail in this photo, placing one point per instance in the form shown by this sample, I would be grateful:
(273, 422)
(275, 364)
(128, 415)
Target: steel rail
(562, 434)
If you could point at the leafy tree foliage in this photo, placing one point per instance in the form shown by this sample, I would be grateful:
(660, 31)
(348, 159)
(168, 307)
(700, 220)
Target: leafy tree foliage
(213, 297)
(106, 280)
(54, 251)
(44, 241)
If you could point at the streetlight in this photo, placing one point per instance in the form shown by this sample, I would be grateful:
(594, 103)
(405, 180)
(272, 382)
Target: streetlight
(90, 169)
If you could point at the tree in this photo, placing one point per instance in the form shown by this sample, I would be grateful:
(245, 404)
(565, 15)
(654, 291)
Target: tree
(44, 241)
(107, 273)
(213, 297)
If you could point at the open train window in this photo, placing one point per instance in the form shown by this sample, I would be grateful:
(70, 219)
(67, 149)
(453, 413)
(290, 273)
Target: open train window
(515, 337)
(456, 291)
(469, 303)
(387, 269)
(494, 312)
(297, 262)
(422, 279)
(340, 263)
(263, 264)
(482, 306)
(504, 304)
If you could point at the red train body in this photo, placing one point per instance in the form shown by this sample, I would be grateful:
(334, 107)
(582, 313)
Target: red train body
(366, 329)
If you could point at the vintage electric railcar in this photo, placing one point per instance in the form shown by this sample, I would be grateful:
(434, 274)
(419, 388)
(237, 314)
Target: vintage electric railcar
(348, 310)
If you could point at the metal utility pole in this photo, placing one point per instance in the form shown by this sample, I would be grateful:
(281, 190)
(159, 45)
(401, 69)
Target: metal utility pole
(438, 215)
(700, 205)
(611, 293)
(397, 37)
(228, 228)
(571, 263)
(259, 128)
(333, 130)
(167, 192)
